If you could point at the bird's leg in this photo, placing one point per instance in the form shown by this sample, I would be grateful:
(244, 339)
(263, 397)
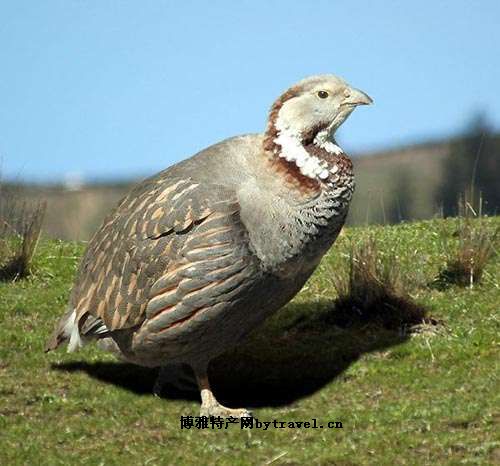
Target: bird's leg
(209, 404)
(176, 376)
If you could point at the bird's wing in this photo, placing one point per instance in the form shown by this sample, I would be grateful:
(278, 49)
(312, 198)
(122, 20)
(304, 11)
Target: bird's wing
(171, 247)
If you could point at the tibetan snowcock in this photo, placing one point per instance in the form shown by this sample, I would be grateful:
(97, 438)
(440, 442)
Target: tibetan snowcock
(195, 257)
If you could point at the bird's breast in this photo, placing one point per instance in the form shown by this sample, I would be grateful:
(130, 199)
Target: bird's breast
(288, 232)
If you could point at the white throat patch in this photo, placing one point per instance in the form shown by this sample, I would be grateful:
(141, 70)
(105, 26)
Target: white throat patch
(292, 150)
(321, 140)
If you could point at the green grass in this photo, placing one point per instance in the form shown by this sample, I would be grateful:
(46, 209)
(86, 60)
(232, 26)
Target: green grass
(426, 398)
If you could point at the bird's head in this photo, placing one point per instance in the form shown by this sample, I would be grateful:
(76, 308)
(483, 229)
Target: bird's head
(309, 113)
(316, 103)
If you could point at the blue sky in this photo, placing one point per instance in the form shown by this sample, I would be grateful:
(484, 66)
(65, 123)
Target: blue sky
(110, 89)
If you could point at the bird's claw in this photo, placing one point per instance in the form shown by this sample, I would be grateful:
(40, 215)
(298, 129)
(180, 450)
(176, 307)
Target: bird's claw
(218, 410)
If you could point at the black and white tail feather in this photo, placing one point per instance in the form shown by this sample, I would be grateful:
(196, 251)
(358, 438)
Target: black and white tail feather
(76, 333)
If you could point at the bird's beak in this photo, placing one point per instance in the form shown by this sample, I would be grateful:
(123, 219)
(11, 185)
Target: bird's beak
(357, 97)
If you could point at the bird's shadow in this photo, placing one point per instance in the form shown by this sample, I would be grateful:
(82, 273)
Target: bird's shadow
(293, 355)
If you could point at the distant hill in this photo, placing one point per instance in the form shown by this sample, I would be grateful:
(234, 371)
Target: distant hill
(73, 214)
(399, 184)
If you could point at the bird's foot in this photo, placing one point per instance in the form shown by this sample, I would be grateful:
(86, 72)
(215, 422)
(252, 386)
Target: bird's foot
(210, 407)
(216, 409)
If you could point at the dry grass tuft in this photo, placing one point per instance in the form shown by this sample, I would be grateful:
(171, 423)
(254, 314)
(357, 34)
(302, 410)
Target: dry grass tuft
(20, 229)
(374, 290)
(476, 246)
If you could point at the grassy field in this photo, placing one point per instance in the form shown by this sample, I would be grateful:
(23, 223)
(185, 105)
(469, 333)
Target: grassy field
(427, 397)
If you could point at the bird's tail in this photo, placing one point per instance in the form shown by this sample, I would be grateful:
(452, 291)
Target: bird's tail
(67, 330)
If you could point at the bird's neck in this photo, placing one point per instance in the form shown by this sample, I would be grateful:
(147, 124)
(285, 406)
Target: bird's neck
(309, 160)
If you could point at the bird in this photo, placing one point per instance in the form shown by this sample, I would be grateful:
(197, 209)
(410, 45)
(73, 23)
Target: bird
(200, 254)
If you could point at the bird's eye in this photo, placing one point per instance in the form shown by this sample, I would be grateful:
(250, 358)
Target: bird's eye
(322, 94)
